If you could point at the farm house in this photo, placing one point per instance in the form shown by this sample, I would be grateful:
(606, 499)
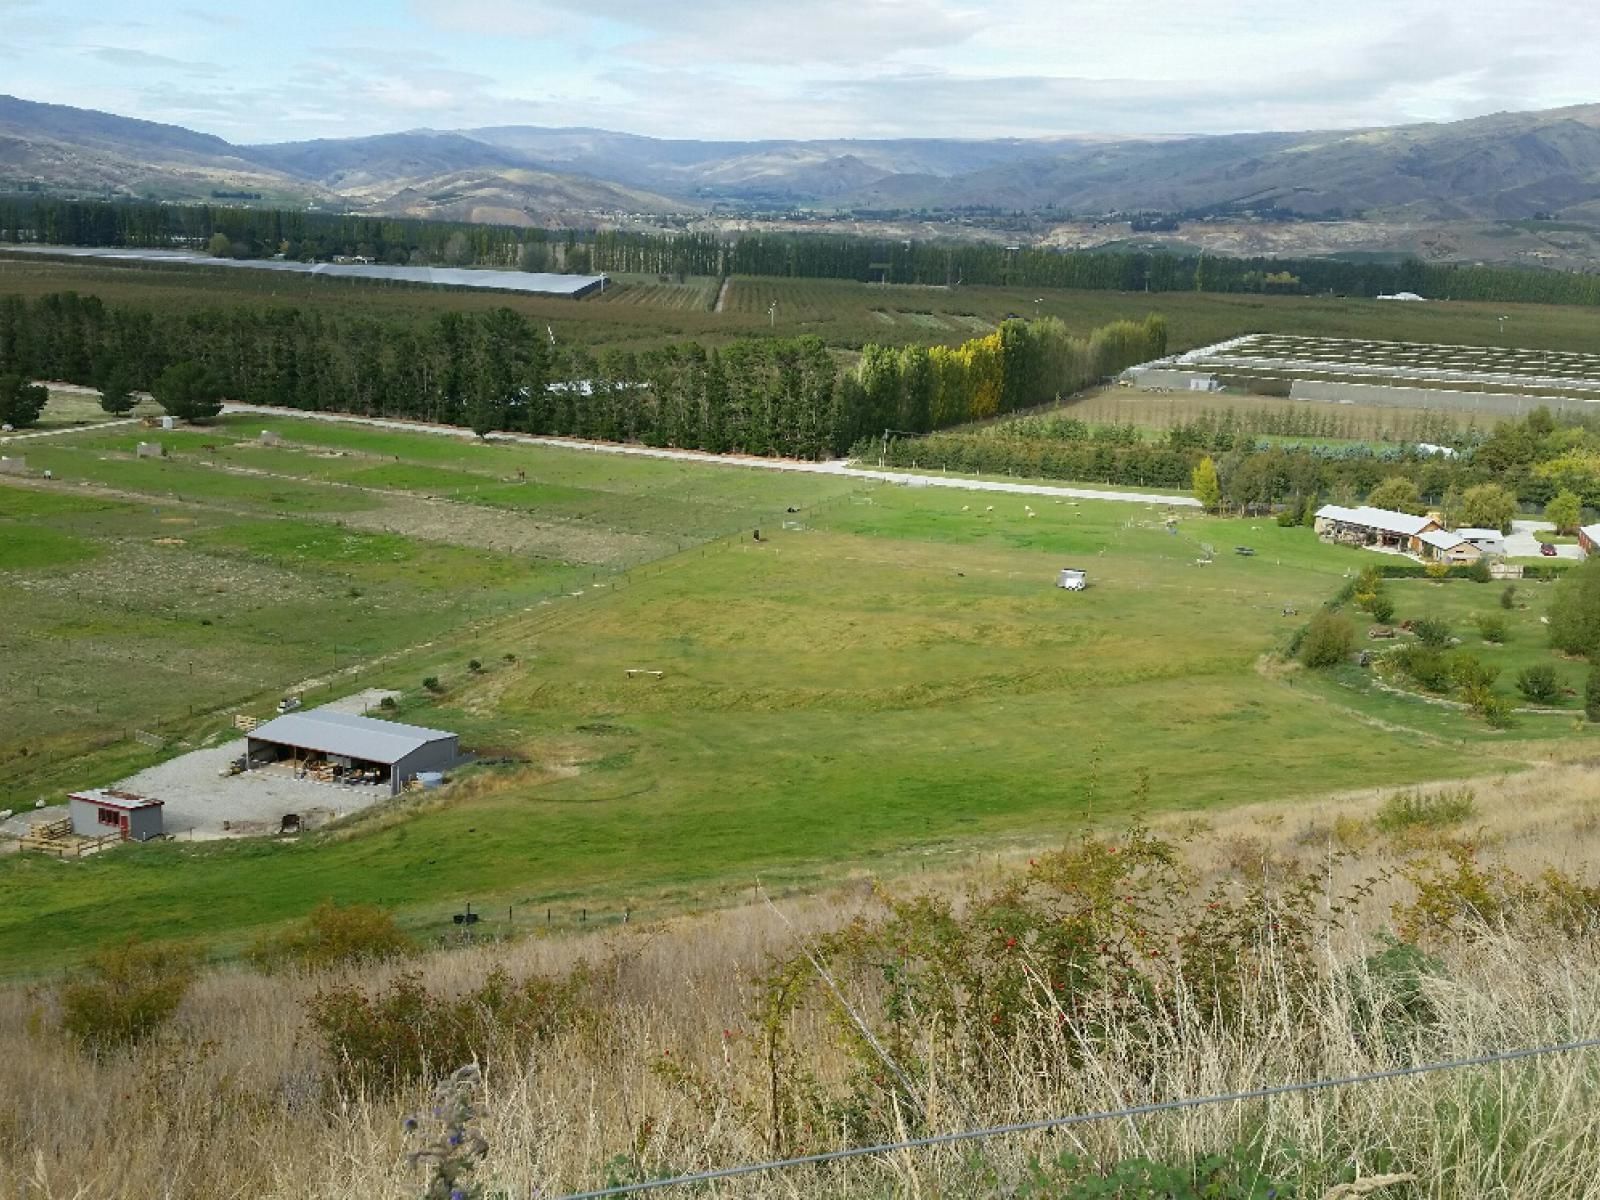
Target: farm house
(1589, 539)
(339, 747)
(1490, 541)
(1378, 527)
(1440, 546)
(103, 812)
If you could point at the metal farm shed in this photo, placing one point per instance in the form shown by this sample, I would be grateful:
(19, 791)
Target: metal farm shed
(102, 812)
(344, 748)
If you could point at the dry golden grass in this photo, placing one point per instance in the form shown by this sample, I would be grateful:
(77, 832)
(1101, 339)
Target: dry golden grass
(233, 1100)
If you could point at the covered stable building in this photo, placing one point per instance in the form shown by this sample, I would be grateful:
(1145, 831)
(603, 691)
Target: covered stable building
(1380, 527)
(106, 812)
(345, 748)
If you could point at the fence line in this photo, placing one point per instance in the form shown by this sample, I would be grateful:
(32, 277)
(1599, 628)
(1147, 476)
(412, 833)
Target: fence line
(1063, 1122)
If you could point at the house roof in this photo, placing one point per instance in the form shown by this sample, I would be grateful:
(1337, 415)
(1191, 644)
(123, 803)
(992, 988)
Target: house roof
(1440, 540)
(111, 798)
(1592, 532)
(349, 735)
(1376, 518)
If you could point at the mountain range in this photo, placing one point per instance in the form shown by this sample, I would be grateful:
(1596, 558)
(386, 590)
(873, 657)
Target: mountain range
(1508, 166)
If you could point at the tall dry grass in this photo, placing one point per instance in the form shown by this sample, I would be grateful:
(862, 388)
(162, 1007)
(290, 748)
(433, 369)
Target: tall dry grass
(234, 1099)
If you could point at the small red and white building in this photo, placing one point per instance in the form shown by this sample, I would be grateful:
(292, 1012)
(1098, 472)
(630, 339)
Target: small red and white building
(105, 812)
(1589, 539)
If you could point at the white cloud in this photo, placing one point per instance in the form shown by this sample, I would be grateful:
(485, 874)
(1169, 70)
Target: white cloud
(747, 68)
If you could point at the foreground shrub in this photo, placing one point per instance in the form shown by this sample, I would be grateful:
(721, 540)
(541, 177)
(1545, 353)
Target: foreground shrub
(1539, 683)
(1091, 946)
(380, 1041)
(131, 989)
(333, 936)
(1389, 996)
(1591, 695)
(1237, 1174)
(1328, 640)
(1492, 627)
(1461, 897)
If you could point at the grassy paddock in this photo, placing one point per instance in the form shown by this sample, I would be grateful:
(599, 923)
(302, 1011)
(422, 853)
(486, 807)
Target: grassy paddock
(898, 672)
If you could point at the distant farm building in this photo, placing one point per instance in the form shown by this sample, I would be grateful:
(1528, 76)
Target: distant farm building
(103, 812)
(1490, 541)
(342, 748)
(1411, 296)
(1072, 579)
(1589, 538)
(1439, 545)
(1378, 527)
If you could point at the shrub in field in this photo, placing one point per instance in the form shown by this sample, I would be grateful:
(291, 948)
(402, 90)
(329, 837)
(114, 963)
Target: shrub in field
(1437, 571)
(1389, 996)
(1492, 627)
(475, 665)
(1432, 632)
(131, 989)
(1085, 947)
(333, 936)
(452, 1140)
(1459, 896)
(1382, 608)
(432, 684)
(1539, 683)
(1508, 598)
(1328, 640)
(379, 1041)
(1237, 1174)
(1406, 811)
(1425, 666)
(1575, 611)
(1591, 695)
(1478, 571)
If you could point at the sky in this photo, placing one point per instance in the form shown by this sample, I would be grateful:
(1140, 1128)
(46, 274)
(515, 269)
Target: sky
(741, 69)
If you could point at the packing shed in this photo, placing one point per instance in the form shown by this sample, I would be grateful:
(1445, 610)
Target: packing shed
(343, 748)
(100, 812)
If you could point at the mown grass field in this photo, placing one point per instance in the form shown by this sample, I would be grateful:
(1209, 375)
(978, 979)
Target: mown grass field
(893, 675)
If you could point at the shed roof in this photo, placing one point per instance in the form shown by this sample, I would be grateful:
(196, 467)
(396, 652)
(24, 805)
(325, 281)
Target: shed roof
(1440, 540)
(1480, 535)
(344, 733)
(1376, 518)
(111, 798)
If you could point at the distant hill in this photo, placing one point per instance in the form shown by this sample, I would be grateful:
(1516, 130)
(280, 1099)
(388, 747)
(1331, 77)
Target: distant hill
(82, 151)
(1508, 166)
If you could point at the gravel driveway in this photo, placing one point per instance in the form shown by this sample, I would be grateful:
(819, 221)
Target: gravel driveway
(1520, 542)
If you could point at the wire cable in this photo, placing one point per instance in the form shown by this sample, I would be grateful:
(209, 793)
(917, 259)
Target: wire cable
(1063, 1122)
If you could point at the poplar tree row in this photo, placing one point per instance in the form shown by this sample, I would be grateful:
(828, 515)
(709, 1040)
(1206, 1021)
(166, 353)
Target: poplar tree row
(497, 370)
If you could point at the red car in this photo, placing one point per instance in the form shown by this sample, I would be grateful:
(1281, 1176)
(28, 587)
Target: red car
(1546, 549)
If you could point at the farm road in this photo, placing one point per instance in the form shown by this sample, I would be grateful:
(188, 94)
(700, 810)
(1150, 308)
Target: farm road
(832, 467)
